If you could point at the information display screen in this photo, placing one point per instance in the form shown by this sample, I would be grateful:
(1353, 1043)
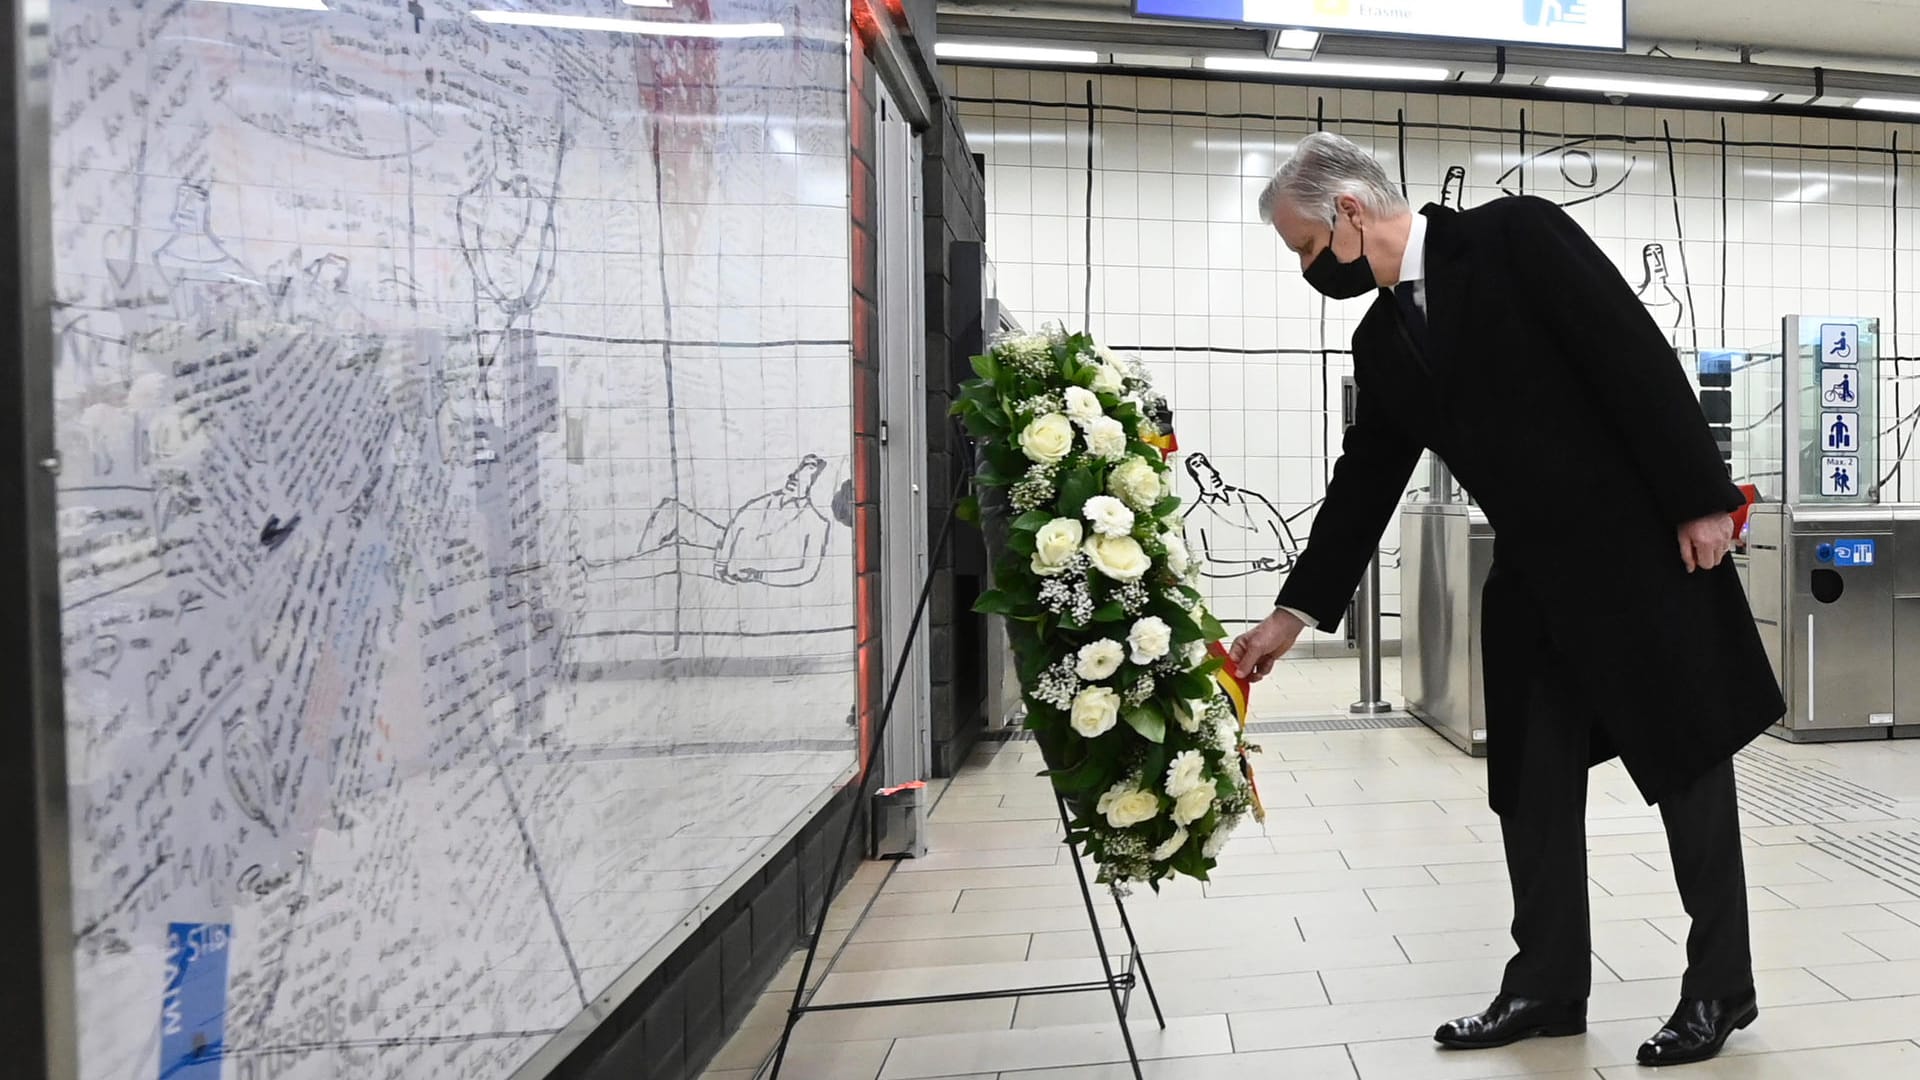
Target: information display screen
(1582, 24)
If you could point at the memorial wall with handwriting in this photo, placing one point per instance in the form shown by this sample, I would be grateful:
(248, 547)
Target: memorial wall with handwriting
(455, 432)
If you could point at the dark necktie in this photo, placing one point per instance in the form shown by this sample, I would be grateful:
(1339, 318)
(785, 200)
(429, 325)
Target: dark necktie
(1411, 314)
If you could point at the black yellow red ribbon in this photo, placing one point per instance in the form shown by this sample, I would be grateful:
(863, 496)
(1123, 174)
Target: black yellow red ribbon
(1238, 691)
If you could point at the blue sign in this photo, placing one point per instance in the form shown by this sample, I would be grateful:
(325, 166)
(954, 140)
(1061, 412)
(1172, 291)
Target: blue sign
(193, 1011)
(1839, 343)
(1854, 552)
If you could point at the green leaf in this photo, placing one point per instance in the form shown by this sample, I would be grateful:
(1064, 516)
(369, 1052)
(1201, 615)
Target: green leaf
(1211, 627)
(1111, 612)
(1079, 485)
(967, 509)
(1165, 507)
(1149, 721)
(986, 366)
(1031, 521)
(1188, 685)
(1213, 664)
(996, 602)
(1023, 542)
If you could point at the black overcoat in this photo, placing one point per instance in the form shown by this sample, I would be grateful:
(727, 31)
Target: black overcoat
(1556, 400)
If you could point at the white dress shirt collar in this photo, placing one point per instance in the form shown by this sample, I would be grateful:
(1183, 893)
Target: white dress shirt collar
(1413, 262)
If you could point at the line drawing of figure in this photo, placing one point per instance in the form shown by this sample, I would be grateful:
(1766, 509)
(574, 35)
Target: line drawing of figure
(509, 240)
(1842, 481)
(1841, 347)
(206, 281)
(1655, 291)
(1453, 188)
(1237, 528)
(1579, 167)
(778, 539)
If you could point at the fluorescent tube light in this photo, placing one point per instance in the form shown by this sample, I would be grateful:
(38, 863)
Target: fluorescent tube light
(1301, 40)
(1881, 104)
(1326, 69)
(1151, 60)
(291, 5)
(955, 50)
(650, 3)
(630, 26)
(1655, 88)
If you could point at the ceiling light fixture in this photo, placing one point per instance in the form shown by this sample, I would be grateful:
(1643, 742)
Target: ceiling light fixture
(1324, 69)
(1894, 105)
(1656, 88)
(1024, 54)
(630, 26)
(1299, 40)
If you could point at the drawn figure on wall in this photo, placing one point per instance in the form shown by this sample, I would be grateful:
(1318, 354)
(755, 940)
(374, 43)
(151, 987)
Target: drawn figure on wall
(1588, 176)
(1656, 292)
(778, 539)
(508, 237)
(206, 281)
(1240, 532)
(1453, 189)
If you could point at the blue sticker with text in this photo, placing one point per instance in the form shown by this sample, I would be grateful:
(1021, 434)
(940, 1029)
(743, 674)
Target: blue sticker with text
(193, 1012)
(1854, 552)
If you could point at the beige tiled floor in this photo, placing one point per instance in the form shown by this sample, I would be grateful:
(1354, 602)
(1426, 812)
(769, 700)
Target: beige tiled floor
(1370, 907)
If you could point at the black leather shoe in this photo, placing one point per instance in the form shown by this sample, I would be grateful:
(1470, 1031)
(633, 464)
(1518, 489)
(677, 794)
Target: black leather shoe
(1510, 1019)
(1699, 1029)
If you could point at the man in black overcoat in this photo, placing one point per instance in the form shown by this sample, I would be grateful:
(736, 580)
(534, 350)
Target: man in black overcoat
(1503, 340)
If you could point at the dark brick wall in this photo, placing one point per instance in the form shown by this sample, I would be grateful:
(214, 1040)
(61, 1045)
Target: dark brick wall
(955, 202)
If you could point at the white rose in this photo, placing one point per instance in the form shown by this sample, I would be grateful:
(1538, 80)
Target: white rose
(1218, 841)
(1135, 483)
(1193, 653)
(1188, 772)
(1083, 406)
(1172, 847)
(1179, 559)
(1109, 515)
(1107, 439)
(1125, 805)
(1100, 659)
(1107, 378)
(1150, 639)
(1191, 713)
(1055, 545)
(1118, 557)
(1193, 806)
(1048, 439)
(1095, 711)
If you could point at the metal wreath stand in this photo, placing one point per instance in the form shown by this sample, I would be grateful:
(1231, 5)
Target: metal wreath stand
(1118, 984)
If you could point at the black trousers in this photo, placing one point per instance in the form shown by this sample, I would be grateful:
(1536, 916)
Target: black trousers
(1546, 842)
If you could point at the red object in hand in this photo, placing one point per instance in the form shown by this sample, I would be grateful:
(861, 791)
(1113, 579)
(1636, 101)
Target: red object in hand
(1740, 516)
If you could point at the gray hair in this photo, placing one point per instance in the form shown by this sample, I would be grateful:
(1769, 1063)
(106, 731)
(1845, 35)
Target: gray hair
(1324, 167)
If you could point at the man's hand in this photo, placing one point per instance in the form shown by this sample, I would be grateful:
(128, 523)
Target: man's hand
(1255, 652)
(1704, 543)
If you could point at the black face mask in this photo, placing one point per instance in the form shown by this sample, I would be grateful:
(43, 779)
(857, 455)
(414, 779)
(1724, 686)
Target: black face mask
(1341, 280)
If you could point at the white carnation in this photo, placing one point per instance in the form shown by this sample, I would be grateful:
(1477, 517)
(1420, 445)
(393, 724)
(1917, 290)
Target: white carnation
(1150, 639)
(1193, 653)
(1187, 773)
(1095, 711)
(1048, 439)
(1083, 406)
(1107, 378)
(1109, 515)
(1172, 847)
(1136, 483)
(1100, 659)
(1107, 439)
(1193, 806)
(1228, 732)
(1190, 715)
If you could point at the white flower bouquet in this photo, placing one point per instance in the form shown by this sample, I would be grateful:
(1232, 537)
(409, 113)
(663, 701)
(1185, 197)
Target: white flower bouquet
(1100, 594)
